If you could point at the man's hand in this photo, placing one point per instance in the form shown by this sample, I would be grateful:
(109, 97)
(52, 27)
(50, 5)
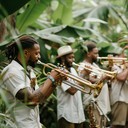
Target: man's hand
(59, 75)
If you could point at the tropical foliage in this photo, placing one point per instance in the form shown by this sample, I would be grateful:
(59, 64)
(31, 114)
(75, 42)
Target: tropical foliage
(58, 22)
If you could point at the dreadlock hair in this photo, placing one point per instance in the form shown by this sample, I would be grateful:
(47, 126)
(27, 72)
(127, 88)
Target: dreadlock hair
(23, 42)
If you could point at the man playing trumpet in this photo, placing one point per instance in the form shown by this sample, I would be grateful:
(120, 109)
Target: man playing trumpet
(19, 85)
(119, 94)
(69, 102)
(101, 104)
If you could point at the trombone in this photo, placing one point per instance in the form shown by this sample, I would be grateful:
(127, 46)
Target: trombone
(95, 87)
(107, 73)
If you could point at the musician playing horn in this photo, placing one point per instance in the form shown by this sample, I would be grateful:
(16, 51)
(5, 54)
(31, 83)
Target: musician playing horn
(101, 104)
(18, 83)
(69, 102)
(119, 94)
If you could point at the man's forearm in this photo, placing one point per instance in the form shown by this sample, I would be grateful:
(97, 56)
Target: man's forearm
(34, 97)
(45, 90)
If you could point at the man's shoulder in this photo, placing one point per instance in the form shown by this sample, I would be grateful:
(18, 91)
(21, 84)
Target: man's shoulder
(95, 64)
(73, 69)
(12, 67)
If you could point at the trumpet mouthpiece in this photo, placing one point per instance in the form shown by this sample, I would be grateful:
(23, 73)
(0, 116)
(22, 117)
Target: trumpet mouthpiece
(73, 63)
(39, 62)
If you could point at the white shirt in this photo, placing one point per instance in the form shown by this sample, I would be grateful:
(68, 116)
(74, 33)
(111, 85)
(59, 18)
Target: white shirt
(14, 79)
(102, 100)
(69, 106)
(119, 89)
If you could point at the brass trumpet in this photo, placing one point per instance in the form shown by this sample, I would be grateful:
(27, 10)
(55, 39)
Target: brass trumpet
(107, 73)
(83, 83)
(113, 58)
(110, 60)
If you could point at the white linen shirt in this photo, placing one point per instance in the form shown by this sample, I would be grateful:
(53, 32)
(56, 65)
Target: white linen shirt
(119, 89)
(69, 106)
(14, 79)
(103, 100)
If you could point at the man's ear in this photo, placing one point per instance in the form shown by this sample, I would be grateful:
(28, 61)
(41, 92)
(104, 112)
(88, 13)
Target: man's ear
(63, 60)
(26, 52)
(88, 54)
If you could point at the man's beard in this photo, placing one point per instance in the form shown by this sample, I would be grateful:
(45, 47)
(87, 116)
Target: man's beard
(94, 60)
(31, 63)
(68, 65)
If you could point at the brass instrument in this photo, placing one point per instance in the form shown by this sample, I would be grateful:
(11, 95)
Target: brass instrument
(113, 58)
(107, 73)
(95, 87)
(110, 60)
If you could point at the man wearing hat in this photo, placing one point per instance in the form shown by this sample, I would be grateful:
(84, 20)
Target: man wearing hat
(69, 102)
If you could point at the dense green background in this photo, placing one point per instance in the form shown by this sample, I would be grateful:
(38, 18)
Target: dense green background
(58, 22)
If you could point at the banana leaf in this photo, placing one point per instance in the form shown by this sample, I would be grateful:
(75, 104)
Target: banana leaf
(31, 13)
(63, 14)
(9, 6)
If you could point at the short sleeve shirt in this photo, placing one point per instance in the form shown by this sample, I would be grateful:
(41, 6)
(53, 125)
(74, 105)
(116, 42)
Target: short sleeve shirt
(69, 106)
(102, 100)
(14, 79)
(119, 89)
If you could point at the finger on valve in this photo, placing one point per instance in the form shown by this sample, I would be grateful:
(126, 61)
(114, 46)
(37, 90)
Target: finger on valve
(62, 75)
(58, 74)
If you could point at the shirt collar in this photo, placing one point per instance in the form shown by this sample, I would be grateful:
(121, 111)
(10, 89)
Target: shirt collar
(18, 66)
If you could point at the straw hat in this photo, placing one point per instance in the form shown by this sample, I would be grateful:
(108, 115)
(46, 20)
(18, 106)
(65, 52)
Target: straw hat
(64, 50)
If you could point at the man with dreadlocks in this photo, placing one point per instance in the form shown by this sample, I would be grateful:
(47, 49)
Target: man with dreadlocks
(23, 94)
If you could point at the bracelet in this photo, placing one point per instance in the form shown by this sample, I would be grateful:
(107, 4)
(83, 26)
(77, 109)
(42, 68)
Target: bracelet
(52, 79)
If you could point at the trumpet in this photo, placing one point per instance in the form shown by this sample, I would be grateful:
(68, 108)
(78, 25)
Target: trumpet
(107, 73)
(82, 82)
(110, 60)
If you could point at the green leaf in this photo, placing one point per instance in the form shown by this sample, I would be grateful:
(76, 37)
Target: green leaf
(44, 51)
(114, 48)
(54, 38)
(68, 31)
(94, 20)
(9, 6)
(80, 12)
(100, 12)
(103, 44)
(63, 14)
(32, 12)
(40, 24)
(53, 29)
(4, 43)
